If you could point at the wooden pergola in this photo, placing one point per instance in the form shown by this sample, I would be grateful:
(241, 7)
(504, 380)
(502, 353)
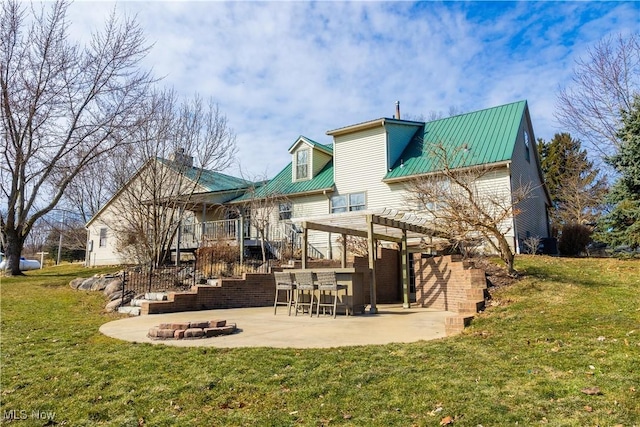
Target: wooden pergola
(386, 225)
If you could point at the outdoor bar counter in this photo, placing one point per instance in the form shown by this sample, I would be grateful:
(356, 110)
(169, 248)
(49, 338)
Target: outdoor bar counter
(353, 279)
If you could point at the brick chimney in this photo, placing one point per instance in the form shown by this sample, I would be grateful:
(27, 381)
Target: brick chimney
(181, 159)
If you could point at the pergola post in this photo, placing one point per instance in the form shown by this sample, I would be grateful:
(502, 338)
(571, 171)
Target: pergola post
(305, 242)
(405, 271)
(372, 264)
(203, 222)
(240, 233)
(343, 258)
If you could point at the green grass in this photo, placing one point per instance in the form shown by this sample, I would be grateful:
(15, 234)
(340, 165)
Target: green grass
(569, 325)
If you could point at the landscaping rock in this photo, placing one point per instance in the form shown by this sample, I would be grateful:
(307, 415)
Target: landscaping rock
(77, 282)
(113, 305)
(113, 286)
(155, 296)
(115, 296)
(99, 284)
(87, 283)
(131, 311)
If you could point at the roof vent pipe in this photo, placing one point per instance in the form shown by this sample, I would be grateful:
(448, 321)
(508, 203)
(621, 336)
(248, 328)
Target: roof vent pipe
(398, 110)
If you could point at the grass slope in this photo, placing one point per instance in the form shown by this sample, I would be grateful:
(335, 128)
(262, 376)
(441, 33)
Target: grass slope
(571, 324)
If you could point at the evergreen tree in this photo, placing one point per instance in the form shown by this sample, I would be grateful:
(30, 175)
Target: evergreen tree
(622, 225)
(576, 189)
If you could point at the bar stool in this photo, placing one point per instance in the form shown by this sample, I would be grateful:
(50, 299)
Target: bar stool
(304, 287)
(327, 283)
(284, 282)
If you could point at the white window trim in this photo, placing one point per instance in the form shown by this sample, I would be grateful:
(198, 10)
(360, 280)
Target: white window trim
(308, 165)
(348, 207)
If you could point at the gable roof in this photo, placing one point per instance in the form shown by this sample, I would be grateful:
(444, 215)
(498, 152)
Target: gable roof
(370, 125)
(210, 181)
(322, 147)
(281, 184)
(486, 137)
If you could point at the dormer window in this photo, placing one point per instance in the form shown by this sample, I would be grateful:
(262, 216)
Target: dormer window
(302, 164)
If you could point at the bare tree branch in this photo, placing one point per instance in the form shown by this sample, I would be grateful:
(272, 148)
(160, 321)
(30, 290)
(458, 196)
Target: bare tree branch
(179, 144)
(63, 106)
(604, 83)
(463, 207)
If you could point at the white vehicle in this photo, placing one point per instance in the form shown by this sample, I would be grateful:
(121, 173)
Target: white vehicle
(25, 264)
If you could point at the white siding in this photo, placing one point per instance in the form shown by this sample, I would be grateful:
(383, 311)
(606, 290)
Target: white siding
(318, 161)
(360, 164)
(496, 185)
(106, 255)
(309, 206)
(532, 219)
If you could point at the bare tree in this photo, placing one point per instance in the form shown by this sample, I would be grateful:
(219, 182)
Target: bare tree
(264, 206)
(604, 84)
(181, 144)
(461, 208)
(63, 106)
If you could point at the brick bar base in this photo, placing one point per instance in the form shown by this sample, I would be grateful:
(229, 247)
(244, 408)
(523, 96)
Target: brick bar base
(191, 330)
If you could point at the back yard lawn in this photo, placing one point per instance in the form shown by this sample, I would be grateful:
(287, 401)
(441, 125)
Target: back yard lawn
(560, 347)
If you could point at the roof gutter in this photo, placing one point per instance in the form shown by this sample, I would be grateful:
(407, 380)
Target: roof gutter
(302, 193)
(497, 165)
(369, 125)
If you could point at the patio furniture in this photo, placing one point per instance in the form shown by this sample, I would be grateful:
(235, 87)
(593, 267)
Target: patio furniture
(305, 288)
(329, 287)
(284, 282)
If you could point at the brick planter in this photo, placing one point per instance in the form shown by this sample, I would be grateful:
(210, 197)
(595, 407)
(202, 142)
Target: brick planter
(191, 330)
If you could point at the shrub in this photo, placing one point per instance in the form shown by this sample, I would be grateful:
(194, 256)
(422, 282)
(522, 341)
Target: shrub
(574, 239)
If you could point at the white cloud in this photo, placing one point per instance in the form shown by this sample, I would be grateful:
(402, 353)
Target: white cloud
(281, 69)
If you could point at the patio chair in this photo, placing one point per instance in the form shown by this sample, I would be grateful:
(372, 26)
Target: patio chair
(284, 282)
(327, 283)
(305, 289)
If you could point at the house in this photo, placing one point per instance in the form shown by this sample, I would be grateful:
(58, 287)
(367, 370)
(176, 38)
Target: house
(367, 167)
(126, 215)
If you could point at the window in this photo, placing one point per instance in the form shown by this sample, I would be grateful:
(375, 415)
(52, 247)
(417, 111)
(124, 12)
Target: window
(284, 210)
(527, 155)
(356, 202)
(348, 202)
(338, 204)
(103, 238)
(302, 164)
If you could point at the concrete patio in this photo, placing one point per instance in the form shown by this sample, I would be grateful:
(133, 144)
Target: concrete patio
(258, 327)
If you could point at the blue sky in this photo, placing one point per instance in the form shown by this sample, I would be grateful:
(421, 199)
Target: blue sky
(283, 69)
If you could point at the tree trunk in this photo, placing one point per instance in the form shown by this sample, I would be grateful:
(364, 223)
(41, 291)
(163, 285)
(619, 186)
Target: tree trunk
(262, 246)
(507, 255)
(13, 251)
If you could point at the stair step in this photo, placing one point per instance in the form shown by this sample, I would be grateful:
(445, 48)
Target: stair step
(456, 324)
(470, 306)
(130, 310)
(155, 296)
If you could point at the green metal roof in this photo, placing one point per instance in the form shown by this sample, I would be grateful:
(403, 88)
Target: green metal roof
(327, 148)
(212, 181)
(481, 137)
(281, 184)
